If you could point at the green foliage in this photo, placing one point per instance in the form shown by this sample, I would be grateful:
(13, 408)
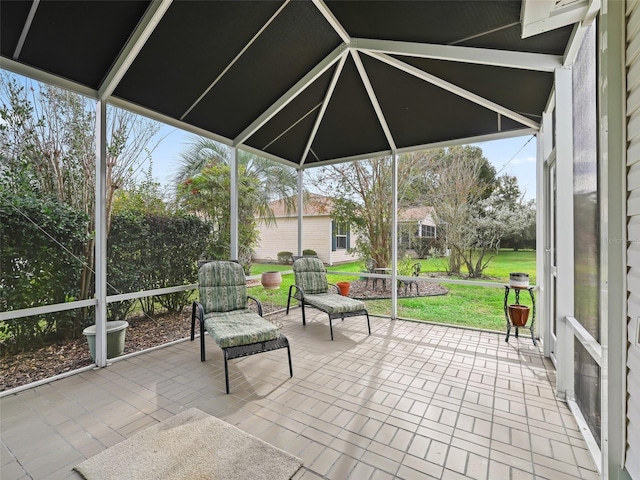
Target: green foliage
(148, 251)
(36, 270)
(208, 193)
(285, 257)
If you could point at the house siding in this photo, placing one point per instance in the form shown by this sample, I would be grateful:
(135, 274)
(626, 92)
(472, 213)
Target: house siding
(632, 462)
(284, 237)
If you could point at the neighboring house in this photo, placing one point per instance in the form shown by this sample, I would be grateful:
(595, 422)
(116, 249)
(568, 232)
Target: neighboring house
(329, 239)
(416, 222)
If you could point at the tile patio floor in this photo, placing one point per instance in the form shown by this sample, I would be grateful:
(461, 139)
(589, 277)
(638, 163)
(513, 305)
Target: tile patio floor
(412, 401)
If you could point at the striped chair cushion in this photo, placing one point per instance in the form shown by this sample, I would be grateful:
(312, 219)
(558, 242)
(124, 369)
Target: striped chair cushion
(222, 287)
(333, 303)
(310, 275)
(240, 327)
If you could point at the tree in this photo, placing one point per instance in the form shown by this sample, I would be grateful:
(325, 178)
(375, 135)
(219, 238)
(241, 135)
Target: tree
(522, 217)
(48, 149)
(203, 184)
(458, 181)
(362, 190)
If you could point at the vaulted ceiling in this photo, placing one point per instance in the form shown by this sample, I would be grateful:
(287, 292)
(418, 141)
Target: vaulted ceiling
(303, 82)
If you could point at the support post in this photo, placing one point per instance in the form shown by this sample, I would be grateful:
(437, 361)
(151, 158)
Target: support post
(300, 210)
(613, 202)
(233, 254)
(100, 252)
(565, 242)
(394, 236)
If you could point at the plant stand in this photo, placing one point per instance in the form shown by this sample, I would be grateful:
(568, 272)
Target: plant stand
(531, 326)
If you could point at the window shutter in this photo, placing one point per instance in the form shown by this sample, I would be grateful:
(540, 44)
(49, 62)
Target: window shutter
(334, 240)
(348, 237)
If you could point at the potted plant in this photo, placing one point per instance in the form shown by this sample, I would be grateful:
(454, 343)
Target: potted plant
(344, 288)
(116, 331)
(271, 280)
(519, 314)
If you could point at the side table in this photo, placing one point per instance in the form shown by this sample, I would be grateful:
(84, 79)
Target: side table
(531, 326)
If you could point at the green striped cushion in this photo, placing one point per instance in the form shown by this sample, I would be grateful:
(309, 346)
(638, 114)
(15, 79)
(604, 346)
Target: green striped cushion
(241, 327)
(311, 275)
(333, 303)
(222, 287)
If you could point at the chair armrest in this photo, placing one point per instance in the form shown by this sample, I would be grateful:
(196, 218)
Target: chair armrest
(298, 289)
(258, 303)
(196, 310)
(334, 285)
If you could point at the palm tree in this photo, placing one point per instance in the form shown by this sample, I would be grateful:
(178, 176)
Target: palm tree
(205, 163)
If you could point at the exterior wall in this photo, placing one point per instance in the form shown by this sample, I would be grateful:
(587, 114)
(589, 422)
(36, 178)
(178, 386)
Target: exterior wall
(633, 234)
(283, 237)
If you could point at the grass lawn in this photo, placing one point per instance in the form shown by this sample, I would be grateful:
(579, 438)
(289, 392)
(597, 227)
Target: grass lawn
(472, 306)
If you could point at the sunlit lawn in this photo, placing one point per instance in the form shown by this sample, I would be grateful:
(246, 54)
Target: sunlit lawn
(473, 306)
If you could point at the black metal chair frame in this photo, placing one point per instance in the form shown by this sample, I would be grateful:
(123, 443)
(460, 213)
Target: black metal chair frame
(415, 272)
(299, 291)
(238, 351)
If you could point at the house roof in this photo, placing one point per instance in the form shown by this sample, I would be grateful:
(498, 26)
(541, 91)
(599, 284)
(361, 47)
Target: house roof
(303, 82)
(416, 214)
(316, 205)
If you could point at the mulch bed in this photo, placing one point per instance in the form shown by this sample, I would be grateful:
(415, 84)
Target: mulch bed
(144, 332)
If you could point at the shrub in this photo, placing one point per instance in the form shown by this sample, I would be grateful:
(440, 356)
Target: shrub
(284, 257)
(36, 270)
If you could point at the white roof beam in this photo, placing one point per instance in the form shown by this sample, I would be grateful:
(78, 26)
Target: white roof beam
(26, 28)
(323, 109)
(235, 59)
(134, 45)
(461, 92)
(428, 146)
(46, 77)
(333, 21)
(481, 56)
(292, 93)
(374, 99)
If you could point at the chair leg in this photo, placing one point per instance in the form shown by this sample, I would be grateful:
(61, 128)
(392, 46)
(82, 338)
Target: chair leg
(193, 323)
(331, 327)
(226, 371)
(201, 342)
(368, 323)
(290, 365)
(304, 319)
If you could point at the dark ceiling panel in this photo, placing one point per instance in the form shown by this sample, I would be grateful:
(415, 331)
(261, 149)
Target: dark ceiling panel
(418, 112)
(190, 47)
(434, 21)
(297, 40)
(292, 143)
(522, 91)
(80, 40)
(350, 125)
(13, 16)
(307, 104)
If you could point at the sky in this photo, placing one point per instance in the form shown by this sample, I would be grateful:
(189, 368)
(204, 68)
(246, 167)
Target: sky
(514, 156)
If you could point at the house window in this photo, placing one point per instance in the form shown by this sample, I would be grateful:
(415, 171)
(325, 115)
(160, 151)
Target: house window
(428, 231)
(340, 236)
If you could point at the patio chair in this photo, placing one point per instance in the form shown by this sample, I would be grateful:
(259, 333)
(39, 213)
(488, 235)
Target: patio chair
(415, 272)
(311, 288)
(223, 312)
(370, 266)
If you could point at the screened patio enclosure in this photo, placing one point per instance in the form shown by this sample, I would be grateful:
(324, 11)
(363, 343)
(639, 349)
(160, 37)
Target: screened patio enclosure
(312, 83)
